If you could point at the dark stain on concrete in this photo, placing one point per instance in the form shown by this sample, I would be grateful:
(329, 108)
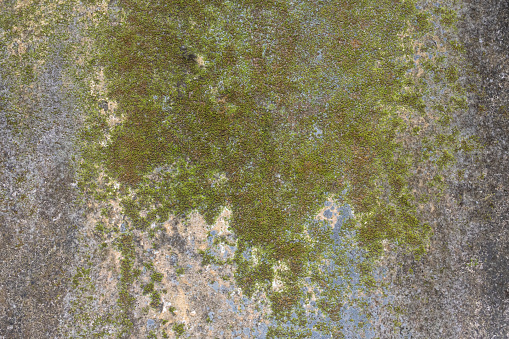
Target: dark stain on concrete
(37, 213)
(460, 289)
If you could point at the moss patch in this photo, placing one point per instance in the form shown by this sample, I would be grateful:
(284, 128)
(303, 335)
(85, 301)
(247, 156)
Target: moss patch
(225, 104)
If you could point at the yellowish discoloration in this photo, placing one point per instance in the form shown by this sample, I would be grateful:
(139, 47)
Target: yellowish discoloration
(221, 225)
(195, 280)
(98, 85)
(200, 61)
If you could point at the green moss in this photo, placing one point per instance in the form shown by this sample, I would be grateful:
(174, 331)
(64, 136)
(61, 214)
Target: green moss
(451, 74)
(155, 299)
(447, 16)
(125, 301)
(457, 47)
(149, 265)
(81, 274)
(148, 288)
(422, 21)
(136, 273)
(157, 277)
(445, 159)
(237, 133)
(172, 310)
(99, 228)
(179, 329)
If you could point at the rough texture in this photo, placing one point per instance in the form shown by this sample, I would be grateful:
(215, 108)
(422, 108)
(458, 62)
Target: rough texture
(459, 289)
(486, 36)
(38, 213)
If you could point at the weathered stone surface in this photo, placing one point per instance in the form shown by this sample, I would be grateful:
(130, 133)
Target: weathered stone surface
(459, 289)
(38, 207)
